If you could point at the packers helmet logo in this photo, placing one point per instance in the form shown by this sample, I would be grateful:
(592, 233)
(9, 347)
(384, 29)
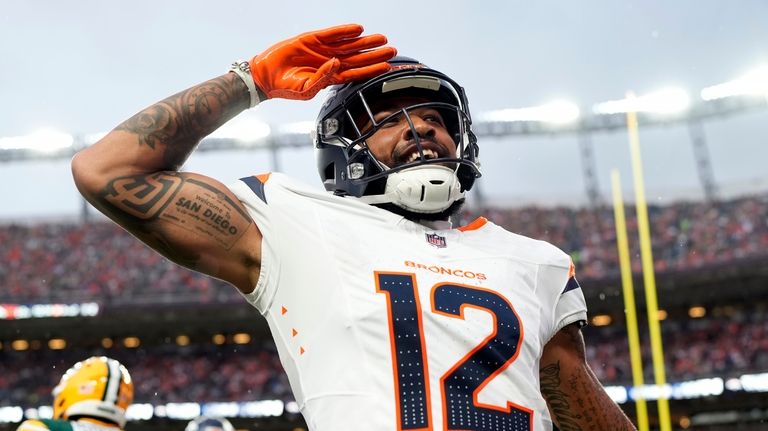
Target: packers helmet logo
(86, 388)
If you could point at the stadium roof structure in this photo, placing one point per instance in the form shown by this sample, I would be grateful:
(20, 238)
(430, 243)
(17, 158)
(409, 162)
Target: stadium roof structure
(492, 124)
(666, 107)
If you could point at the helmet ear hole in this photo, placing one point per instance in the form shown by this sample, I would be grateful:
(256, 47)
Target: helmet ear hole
(330, 172)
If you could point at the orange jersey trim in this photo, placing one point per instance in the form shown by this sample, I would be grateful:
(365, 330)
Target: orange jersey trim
(475, 225)
(263, 177)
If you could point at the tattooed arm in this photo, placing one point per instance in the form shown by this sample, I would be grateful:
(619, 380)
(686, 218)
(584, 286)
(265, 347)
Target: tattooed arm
(576, 399)
(131, 175)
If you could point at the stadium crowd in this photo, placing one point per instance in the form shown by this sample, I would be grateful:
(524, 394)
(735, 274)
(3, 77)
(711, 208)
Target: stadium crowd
(685, 235)
(85, 261)
(161, 373)
(726, 344)
(720, 345)
(97, 261)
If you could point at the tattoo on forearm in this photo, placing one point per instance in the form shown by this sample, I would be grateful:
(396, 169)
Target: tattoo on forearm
(577, 399)
(177, 124)
(556, 398)
(195, 206)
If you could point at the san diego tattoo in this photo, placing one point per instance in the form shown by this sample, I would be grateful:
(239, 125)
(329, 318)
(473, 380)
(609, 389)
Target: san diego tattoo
(202, 210)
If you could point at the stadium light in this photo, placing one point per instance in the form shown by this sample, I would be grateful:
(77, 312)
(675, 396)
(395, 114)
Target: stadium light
(183, 411)
(140, 412)
(558, 112)
(754, 382)
(44, 141)
(697, 312)
(619, 394)
(11, 414)
(601, 320)
(57, 344)
(754, 82)
(20, 345)
(131, 342)
(221, 409)
(241, 338)
(669, 100)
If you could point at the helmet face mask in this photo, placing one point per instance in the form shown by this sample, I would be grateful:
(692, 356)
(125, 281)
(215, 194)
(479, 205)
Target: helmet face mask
(98, 387)
(349, 118)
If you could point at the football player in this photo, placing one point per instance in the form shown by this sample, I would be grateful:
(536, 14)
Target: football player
(93, 395)
(385, 316)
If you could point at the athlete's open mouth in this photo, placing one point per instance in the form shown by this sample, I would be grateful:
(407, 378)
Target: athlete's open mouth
(412, 153)
(428, 154)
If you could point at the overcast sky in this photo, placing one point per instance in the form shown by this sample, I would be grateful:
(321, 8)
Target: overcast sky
(84, 66)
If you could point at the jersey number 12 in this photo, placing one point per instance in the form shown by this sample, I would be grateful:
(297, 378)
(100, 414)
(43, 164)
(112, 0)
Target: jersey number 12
(461, 383)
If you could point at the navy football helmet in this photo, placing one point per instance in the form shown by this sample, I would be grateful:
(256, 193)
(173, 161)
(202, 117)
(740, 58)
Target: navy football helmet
(205, 423)
(425, 185)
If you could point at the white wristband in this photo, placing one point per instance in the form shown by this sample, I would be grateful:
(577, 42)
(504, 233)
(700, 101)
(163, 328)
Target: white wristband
(243, 69)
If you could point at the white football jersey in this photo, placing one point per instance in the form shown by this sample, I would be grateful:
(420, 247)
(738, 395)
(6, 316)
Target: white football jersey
(385, 324)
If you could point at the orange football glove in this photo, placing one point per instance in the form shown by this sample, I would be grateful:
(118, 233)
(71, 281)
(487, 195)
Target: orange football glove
(299, 67)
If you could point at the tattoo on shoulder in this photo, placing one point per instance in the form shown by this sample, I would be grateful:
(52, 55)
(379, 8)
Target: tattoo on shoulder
(193, 205)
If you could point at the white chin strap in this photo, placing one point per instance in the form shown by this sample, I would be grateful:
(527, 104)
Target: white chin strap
(425, 189)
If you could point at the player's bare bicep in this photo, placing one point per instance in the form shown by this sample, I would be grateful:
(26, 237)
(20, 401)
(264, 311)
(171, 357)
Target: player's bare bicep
(182, 215)
(142, 197)
(209, 212)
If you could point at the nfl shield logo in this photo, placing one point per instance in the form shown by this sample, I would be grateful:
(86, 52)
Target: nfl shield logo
(436, 240)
